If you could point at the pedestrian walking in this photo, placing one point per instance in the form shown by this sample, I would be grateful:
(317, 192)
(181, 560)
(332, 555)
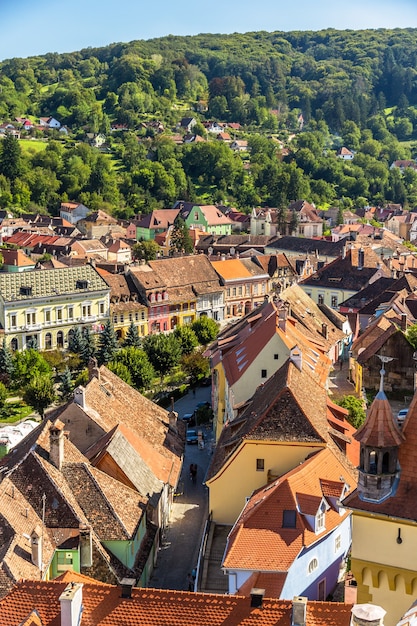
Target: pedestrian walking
(190, 582)
(193, 472)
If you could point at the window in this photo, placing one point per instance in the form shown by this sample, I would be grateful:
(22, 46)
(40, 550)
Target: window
(247, 290)
(25, 291)
(240, 290)
(320, 518)
(59, 314)
(260, 465)
(30, 318)
(81, 284)
(228, 292)
(130, 317)
(114, 319)
(263, 373)
(337, 543)
(313, 565)
(86, 310)
(289, 518)
(276, 357)
(334, 301)
(136, 317)
(255, 290)
(122, 318)
(101, 308)
(263, 288)
(47, 316)
(320, 299)
(70, 312)
(13, 320)
(48, 341)
(234, 291)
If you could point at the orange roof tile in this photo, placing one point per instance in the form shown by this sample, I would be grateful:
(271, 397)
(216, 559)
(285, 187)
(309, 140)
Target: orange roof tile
(104, 606)
(260, 541)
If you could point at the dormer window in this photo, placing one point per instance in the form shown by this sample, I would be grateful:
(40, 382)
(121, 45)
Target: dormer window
(289, 518)
(320, 518)
(25, 291)
(81, 284)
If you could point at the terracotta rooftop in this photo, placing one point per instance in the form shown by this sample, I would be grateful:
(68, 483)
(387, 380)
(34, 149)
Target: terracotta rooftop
(104, 606)
(262, 541)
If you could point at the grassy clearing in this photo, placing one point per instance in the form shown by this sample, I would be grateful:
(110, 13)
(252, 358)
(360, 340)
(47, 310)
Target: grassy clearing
(14, 412)
(32, 146)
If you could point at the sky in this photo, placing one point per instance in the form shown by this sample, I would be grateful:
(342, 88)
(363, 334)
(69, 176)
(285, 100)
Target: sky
(35, 27)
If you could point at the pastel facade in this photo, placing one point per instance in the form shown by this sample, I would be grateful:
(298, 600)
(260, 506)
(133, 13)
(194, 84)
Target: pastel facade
(245, 282)
(44, 305)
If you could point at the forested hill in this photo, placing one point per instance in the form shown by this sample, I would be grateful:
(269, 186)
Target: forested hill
(311, 91)
(331, 74)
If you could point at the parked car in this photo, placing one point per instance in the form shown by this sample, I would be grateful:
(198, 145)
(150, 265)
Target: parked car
(192, 435)
(188, 417)
(401, 415)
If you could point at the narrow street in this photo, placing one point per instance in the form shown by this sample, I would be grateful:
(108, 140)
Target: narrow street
(179, 552)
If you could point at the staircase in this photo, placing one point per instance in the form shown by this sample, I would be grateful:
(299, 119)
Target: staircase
(213, 580)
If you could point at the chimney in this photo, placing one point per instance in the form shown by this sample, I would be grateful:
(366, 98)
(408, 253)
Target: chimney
(403, 322)
(93, 369)
(86, 546)
(325, 330)
(282, 318)
(367, 615)
(36, 546)
(361, 258)
(56, 443)
(173, 416)
(344, 252)
(126, 585)
(299, 611)
(256, 597)
(71, 600)
(79, 396)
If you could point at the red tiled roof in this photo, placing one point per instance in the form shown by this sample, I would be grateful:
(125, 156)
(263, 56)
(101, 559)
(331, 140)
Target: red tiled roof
(104, 606)
(260, 540)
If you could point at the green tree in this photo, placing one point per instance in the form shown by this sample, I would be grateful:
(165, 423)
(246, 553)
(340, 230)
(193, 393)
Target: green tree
(180, 239)
(75, 340)
(164, 352)
(66, 386)
(3, 395)
(121, 370)
(27, 365)
(187, 338)
(146, 250)
(40, 393)
(411, 335)
(356, 410)
(196, 366)
(10, 157)
(206, 329)
(132, 337)
(88, 347)
(138, 365)
(6, 363)
(107, 344)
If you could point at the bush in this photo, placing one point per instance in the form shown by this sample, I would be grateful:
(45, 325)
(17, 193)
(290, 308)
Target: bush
(356, 410)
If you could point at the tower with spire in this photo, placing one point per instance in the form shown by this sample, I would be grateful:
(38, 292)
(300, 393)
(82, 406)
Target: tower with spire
(384, 507)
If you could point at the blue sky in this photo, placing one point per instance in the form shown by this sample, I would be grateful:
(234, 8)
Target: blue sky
(32, 27)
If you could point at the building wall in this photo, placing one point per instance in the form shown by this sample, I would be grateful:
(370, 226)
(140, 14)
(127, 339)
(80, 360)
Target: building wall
(390, 582)
(126, 551)
(62, 561)
(245, 387)
(226, 504)
(330, 296)
(40, 317)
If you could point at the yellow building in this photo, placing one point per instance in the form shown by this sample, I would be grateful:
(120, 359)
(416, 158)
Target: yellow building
(125, 307)
(286, 421)
(44, 305)
(384, 505)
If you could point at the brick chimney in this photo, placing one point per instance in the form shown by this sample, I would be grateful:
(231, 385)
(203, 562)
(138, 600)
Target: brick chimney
(403, 322)
(173, 416)
(56, 443)
(71, 600)
(127, 585)
(93, 369)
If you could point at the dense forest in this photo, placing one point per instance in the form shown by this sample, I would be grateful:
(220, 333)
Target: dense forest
(309, 92)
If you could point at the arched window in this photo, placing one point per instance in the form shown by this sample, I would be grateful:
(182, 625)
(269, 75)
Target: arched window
(60, 339)
(385, 463)
(48, 341)
(14, 344)
(313, 565)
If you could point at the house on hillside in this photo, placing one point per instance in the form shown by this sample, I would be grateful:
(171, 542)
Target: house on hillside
(155, 223)
(308, 533)
(208, 218)
(308, 222)
(97, 224)
(73, 211)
